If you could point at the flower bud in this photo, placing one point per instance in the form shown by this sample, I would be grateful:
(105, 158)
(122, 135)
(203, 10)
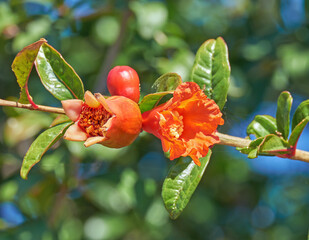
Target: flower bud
(124, 81)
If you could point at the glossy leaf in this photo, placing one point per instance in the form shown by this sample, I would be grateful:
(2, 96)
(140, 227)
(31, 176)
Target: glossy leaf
(297, 130)
(211, 70)
(57, 76)
(262, 125)
(181, 183)
(167, 82)
(283, 113)
(273, 144)
(151, 100)
(253, 149)
(40, 145)
(268, 145)
(301, 113)
(22, 66)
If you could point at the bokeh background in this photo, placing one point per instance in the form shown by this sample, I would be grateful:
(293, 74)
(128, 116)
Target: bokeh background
(98, 193)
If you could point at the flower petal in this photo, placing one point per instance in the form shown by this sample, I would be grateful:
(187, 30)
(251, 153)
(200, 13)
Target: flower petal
(90, 100)
(93, 140)
(75, 133)
(103, 102)
(72, 108)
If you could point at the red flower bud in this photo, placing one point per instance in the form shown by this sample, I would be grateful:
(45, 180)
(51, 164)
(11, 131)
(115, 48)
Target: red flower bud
(124, 81)
(113, 122)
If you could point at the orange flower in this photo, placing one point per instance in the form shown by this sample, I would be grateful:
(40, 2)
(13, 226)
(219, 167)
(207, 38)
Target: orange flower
(186, 124)
(113, 122)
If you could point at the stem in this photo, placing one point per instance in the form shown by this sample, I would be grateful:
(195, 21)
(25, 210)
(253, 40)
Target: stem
(243, 142)
(30, 107)
(224, 138)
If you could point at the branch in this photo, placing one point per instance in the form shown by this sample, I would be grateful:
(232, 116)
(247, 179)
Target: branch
(243, 142)
(224, 138)
(30, 107)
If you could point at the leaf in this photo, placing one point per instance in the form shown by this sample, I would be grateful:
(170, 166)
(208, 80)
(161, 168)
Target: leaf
(167, 82)
(61, 118)
(211, 70)
(268, 145)
(253, 148)
(301, 113)
(283, 113)
(262, 125)
(273, 144)
(22, 66)
(297, 130)
(181, 183)
(40, 145)
(151, 100)
(57, 76)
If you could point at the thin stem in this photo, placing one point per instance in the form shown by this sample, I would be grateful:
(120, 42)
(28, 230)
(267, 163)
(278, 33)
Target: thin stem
(224, 138)
(243, 142)
(30, 107)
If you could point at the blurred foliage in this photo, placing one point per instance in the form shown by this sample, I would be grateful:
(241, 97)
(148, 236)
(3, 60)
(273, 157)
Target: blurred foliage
(99, 193)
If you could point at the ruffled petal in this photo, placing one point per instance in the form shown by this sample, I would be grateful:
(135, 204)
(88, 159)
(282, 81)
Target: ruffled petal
(75, 133)
(72, 108)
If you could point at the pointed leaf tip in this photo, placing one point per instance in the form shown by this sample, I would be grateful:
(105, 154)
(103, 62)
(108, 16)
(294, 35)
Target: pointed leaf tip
(181, 182)
(211, 70)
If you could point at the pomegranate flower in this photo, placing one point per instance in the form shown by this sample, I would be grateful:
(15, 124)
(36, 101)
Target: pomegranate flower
(186, 124)
(113, 122)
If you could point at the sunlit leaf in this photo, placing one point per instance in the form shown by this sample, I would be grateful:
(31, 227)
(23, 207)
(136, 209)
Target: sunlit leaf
(211, 70)
(297, 130)
(273, 144)
(268, 145)
(22, 66)
(283, 113)
(301, 113)
(151, 100)
(57, 76)
(262, 125)
(181, 183)
(40, 145)
(167, 82)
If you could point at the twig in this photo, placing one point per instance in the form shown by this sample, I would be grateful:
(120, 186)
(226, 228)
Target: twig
(30, 107)
(243, 142)
(224, 138)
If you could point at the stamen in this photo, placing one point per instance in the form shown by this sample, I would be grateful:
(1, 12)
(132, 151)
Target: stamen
(92, 120)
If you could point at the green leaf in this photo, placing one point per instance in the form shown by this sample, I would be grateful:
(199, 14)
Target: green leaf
(297, 130)
(262, 125)
(253, 149)
(273, 144)
(301, 113)
(268, 145)
(57, 76)
(22, 66)
(40, 145)
(181, 183)
(151, 100)
(283, 113)
(61, 118)
(167, 82)
(211, 70)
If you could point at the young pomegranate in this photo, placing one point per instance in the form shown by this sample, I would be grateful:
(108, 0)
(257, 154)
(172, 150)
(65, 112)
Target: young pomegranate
(124, 81)
(114, 122)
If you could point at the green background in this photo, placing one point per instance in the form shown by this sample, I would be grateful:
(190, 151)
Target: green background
(99, 193)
